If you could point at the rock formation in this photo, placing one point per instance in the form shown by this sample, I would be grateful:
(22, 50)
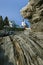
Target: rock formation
(34, 12)
(26, 47)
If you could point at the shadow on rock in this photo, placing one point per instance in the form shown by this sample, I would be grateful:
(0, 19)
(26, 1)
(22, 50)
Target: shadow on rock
(4, 60)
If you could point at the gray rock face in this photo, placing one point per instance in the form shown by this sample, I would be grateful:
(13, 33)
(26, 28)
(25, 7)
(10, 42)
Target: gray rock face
(26, 47)
(6, 51)
(22, 49)
(34, 12)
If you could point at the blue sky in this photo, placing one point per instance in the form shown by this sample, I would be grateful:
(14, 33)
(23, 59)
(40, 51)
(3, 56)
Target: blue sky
(11, 8)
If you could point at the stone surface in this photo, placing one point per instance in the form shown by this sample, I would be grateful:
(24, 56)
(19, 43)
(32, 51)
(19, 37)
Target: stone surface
(25, 47)
(34, 12)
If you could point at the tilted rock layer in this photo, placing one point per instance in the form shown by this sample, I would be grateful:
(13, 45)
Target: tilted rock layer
(22, 49)
(26, 47)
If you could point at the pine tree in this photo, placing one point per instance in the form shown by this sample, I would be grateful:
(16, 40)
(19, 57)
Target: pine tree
(1, 22)
(6, 21)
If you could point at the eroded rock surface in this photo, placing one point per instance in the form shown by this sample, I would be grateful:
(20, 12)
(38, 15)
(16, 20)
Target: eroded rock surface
(22, 49)
(26, 47)
(34, 12)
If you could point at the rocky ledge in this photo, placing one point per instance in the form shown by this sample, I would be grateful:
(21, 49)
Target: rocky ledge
(25, 48)
(22, 49)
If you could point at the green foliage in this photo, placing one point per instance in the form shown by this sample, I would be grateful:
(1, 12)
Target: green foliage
(18, 29)
(14, 29)
(1, 22)
(6, 21)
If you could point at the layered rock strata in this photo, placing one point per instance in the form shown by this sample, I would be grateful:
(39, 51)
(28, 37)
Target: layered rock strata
(22, 49)
(26, 47)
(34, 12)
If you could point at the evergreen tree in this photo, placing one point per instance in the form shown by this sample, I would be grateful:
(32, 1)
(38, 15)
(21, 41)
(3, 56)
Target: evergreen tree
(6, 21)
(1, 22)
